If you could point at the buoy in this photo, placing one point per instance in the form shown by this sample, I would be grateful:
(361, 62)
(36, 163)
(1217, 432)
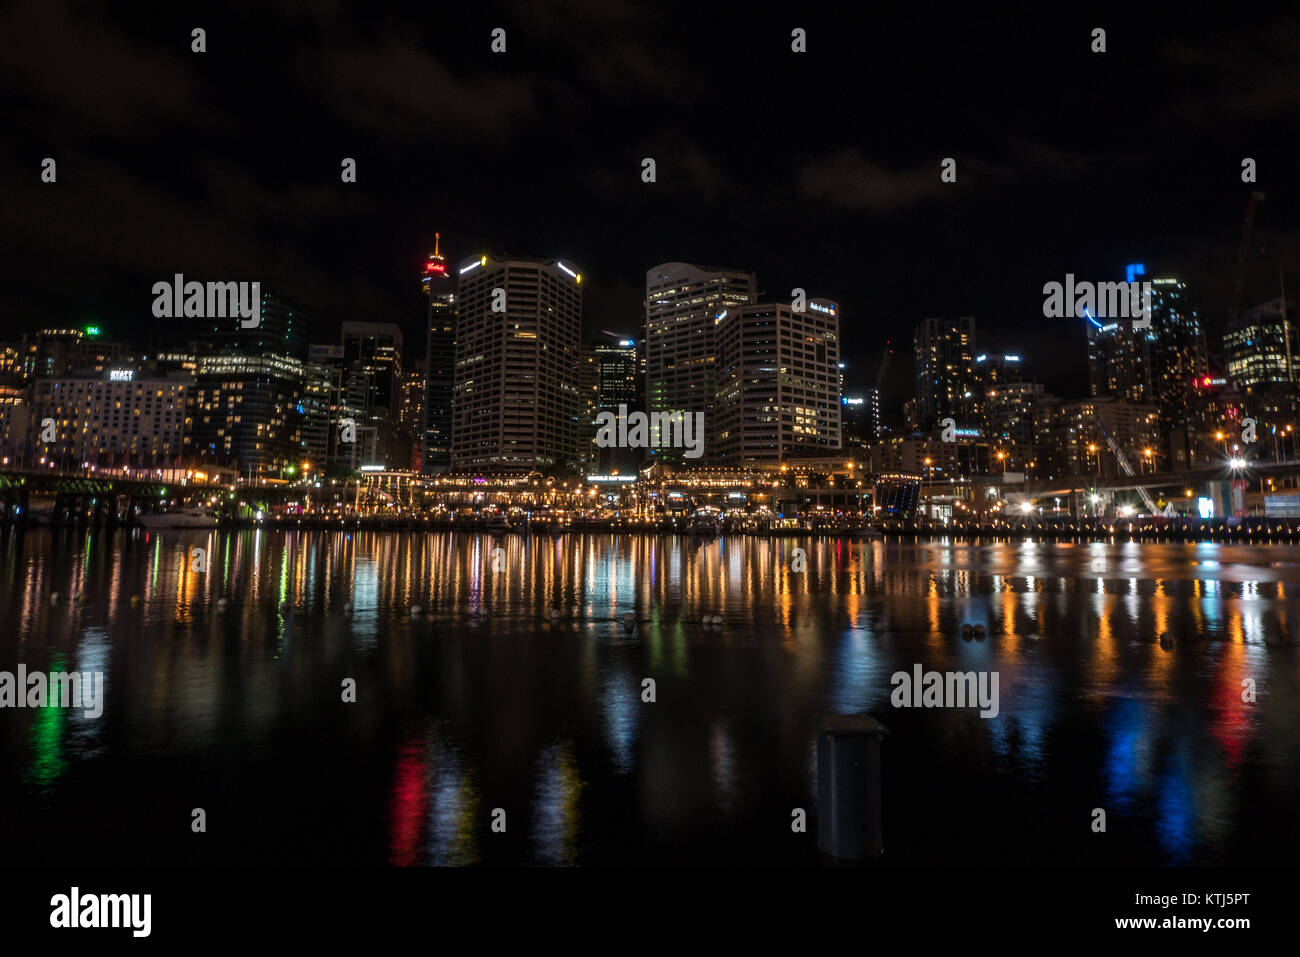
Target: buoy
(135, 600)
(83, 599)
(967, 632)
(629, 622)
(416, 611)
(979, 632)
(347, 608)
(222, 602)
(1165, 640)
(54, 598)
(717, 621)
(555, 614)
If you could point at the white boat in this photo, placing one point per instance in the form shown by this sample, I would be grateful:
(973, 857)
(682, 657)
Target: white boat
(185, 516)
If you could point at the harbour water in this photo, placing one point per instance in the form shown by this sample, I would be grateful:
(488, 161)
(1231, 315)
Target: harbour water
(518, 685)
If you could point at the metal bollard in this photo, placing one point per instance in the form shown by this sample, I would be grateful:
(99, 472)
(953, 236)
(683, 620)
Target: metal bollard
(848, 787)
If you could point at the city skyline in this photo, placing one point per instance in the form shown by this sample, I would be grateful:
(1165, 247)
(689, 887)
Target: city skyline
(866, 222)
(591, 434)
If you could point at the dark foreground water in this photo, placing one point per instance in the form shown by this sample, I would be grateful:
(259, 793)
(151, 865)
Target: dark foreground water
(484, 701)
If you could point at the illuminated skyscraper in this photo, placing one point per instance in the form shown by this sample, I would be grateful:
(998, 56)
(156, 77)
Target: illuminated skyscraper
(440, 363)
(944, 351)
(614, 378)
(1261, 348)
(372, 387)
(1157, 365)
(778, 385)
(684, 304)
(518, 345)
(249, 390)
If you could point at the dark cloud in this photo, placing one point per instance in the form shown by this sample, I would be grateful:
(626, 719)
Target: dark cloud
(403, 91)
(97, 77)
(847, 179)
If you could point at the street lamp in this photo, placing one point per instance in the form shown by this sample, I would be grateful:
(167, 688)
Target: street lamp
(1093, 449)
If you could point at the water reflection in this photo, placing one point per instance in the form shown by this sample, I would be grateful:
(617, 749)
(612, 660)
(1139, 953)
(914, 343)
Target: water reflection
(519, 687)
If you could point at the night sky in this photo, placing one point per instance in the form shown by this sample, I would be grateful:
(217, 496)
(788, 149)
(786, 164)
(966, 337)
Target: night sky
(818, 170)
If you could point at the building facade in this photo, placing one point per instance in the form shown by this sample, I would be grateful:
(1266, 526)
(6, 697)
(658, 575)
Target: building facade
(249, 386)
(684, 305)
(944, 350)
(778, 378)
(439, 286)
(112, 420)
(518, 345)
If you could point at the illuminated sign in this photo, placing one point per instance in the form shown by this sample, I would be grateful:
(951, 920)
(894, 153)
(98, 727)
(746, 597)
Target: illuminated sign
(567, 270)
(621, 479)
(968, 433)
(627, 343)
(121, 375)
(1011, 358)
(372, 468)
(92, 330)
(1136, 269)
(818, 307)
(848, 401)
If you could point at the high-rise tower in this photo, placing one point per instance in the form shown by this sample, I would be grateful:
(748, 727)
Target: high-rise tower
(518, 344)
(440, 290)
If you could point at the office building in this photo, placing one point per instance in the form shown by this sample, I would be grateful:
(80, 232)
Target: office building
(439, 286)
(249, 386)
(62, 352)
(684, 305)
(944, 350)
(518, 344)
(1261, 348)
(611, 377)
(778, 385)
(372, 391)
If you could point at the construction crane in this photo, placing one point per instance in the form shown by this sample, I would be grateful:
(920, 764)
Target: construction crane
(884, 362)
(1124, 466)
(880, 378)
(1239, 279)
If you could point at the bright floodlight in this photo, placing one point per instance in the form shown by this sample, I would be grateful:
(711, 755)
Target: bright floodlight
(1237, 463)
(1027, 507)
